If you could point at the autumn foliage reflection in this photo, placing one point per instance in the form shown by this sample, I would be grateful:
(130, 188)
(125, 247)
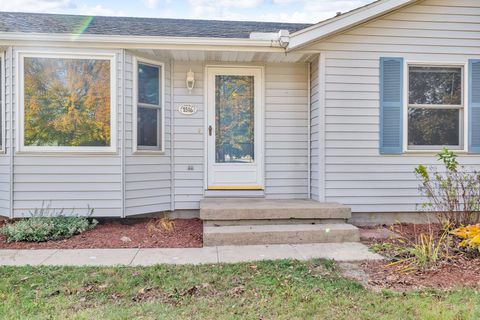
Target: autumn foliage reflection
(67, 102)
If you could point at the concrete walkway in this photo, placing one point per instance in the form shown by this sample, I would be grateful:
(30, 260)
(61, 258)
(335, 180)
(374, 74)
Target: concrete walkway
(145, 257)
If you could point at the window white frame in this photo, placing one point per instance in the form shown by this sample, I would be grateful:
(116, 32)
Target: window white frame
(463, 107)
(3, 96)
(65, 54)
(161, 139)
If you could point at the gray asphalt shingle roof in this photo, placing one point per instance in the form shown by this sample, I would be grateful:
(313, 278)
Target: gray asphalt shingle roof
(99, 25)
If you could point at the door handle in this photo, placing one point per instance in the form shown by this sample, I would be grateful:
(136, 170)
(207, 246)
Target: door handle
(210, 130)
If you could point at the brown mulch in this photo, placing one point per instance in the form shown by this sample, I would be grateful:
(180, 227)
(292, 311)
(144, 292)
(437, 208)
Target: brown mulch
(127, 233)
(463, 272)
(460, 270)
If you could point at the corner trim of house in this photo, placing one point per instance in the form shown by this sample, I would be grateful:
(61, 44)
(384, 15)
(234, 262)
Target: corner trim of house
(172, 135)
(122, 143)
(309, 131)
(321, 128)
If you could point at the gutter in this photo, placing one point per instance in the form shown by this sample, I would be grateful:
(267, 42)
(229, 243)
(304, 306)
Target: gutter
(140, 42)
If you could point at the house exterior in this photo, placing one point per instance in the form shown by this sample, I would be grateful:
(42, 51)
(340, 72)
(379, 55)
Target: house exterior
(134, 116)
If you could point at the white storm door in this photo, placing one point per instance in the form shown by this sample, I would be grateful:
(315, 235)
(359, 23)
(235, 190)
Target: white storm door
(234, 128)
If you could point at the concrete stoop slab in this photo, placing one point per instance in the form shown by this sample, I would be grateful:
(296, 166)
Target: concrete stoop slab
(342, 252)
(280, 234)
(265, 209)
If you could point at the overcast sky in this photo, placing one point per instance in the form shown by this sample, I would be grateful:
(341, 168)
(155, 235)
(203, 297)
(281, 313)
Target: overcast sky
(261, 10)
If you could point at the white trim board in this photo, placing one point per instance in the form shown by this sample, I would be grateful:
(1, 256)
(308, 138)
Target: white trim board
(3, 97)
(137, 42)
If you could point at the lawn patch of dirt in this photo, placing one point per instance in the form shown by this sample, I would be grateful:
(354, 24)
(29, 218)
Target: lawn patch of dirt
(127, 233)
(458, 270)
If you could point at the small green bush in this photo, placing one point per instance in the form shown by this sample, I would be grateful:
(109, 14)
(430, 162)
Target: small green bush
(41, 227)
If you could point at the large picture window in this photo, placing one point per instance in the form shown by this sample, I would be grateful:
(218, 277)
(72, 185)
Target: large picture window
(67, 102)
(435, 107)
(149, 106)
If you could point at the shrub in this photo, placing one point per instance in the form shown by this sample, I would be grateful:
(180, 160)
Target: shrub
(43, 227)
(454, 195)
(470, 235)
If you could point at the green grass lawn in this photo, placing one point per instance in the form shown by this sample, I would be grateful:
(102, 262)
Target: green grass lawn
(264, 290)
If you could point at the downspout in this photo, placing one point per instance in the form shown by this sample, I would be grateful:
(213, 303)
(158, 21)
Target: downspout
(309, 128)
(123, 135)
(172, 138)
(11, 131)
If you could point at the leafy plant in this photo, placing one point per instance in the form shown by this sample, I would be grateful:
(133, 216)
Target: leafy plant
(454, 195)
(46, 224)
(471, 236)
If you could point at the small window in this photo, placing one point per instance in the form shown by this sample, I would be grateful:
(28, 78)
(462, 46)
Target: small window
(149, 136)
(66, 102)
(435, 107)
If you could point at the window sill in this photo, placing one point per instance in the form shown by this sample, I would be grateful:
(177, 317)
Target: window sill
(432, 152)
(66, 152)
(149, 152)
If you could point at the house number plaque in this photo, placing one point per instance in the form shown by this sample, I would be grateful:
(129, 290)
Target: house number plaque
(187, 109)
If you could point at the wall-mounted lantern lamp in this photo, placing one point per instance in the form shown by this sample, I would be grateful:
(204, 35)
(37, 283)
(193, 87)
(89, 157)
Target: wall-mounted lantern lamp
(190, 80)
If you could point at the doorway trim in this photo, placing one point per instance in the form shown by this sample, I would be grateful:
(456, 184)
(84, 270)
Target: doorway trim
(261, 127)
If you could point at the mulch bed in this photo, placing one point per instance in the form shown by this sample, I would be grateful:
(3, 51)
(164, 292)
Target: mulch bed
(127, 233)
(459, 271)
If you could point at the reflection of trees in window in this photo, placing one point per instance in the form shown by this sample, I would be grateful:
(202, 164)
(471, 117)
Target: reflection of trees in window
(433, 127)
(434, 106)
(67, 102)
(434, 85)
(234, 129)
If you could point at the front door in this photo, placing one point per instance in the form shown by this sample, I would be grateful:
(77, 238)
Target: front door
(234, 128)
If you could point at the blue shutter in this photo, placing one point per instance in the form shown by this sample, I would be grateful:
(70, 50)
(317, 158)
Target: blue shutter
(474, 106)
(391, 105)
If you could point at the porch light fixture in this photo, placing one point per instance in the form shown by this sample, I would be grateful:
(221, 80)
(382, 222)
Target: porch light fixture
(190, 80)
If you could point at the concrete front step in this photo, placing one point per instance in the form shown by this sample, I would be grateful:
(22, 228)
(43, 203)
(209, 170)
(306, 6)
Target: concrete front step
(266, 209)
(279, 234)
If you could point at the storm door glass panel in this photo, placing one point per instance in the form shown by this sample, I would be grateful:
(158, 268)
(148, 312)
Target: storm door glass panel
(234, 119)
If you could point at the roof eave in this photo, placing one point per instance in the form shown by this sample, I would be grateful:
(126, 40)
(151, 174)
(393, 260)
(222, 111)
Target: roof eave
(348, 20)
(139, 42)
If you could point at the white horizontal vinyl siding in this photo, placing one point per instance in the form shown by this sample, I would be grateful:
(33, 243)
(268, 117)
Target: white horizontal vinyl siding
(188, 137)
(70, 181)
(286, 131)
(356, 174)
(147, 176)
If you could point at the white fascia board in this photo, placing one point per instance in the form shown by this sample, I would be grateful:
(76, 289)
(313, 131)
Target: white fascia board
(138, 42)
(345, 21)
